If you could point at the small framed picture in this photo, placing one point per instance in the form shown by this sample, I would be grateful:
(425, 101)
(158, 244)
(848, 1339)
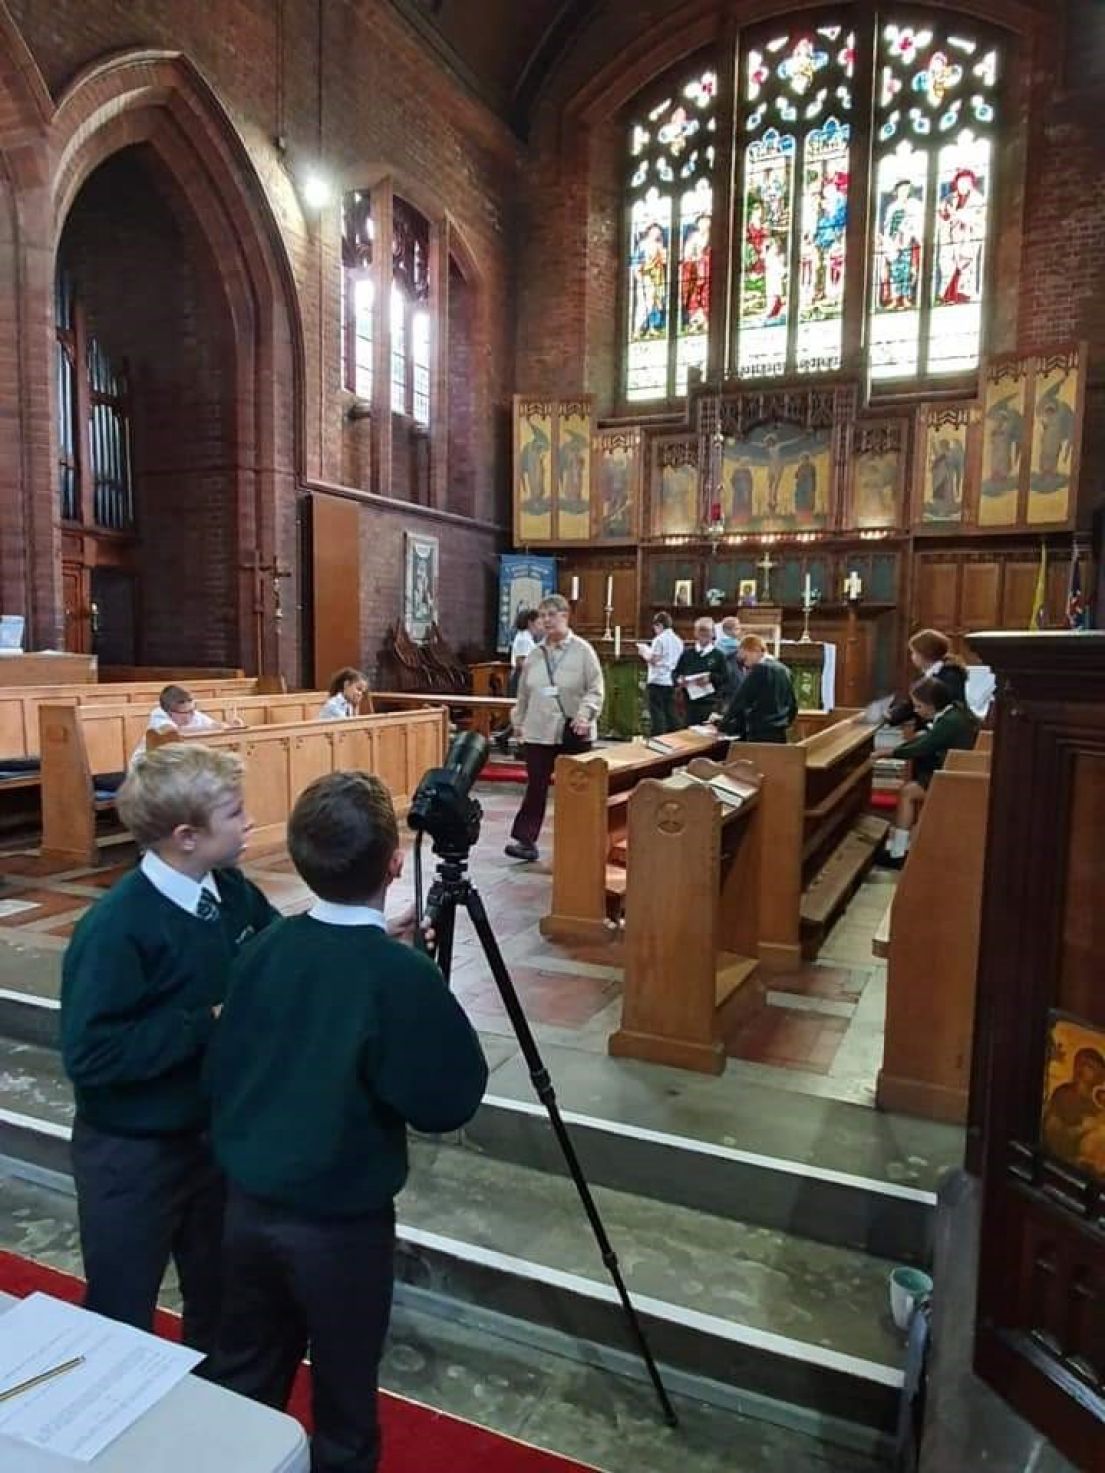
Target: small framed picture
(682, 596)
(746, 593)
(1072, 1113)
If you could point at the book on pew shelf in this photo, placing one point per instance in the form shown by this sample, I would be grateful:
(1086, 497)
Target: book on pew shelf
(731, 790)
(705, 729)
(658, 744)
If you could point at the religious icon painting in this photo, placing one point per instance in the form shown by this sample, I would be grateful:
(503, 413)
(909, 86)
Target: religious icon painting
(746, 593)
(1057, 404)
(572, 514)
(877, 475)
(682, 593)
(674, 489)
(943, 461)
(776, 478)
(1072, 1114)
(533, 470)
(1005, 422)
(616, 471)
(419, 585)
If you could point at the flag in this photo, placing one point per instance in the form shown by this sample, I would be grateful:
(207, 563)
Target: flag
(1076, 603)
(1039, 599)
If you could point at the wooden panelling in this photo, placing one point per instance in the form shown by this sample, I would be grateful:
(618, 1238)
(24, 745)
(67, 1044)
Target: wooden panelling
(980, 595)
(935, 593)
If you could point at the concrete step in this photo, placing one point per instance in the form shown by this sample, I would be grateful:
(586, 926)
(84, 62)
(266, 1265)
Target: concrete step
(537, 1390)
(799, 1327)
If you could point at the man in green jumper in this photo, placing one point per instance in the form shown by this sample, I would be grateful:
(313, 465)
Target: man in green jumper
(334, 1039)
(141, 985)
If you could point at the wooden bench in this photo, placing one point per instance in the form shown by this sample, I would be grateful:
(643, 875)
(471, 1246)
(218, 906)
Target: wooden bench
(19, 705)
(177, 675)
(691, 922)
(932, 950)
(35, 668)
(282, 757)
(590, 826)
(818, 837)
(483, 712)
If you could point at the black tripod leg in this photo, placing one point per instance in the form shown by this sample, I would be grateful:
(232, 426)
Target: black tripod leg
(441, 913)
(547, 1095)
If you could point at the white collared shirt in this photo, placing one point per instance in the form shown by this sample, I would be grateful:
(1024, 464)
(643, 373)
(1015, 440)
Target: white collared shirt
(337, 708)
(180, 888)
(333, 913)
(669, 647)
(160, 720)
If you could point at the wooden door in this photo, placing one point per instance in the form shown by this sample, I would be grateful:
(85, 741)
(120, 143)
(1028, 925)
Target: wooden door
(114, 616)
(76, 602)
(1038, 1087)
(333, 537)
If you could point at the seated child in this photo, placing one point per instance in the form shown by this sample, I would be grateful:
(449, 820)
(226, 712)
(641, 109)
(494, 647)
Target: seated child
(347, 690)
(176, 708)
(947, 724)
(142, 981)
(334, 1039)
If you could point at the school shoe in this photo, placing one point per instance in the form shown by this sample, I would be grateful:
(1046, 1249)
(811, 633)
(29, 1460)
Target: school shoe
(517, 850)
(885, 860)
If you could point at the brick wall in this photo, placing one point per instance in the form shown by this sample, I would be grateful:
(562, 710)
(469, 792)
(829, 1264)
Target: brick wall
(388, 109)
(173, 330)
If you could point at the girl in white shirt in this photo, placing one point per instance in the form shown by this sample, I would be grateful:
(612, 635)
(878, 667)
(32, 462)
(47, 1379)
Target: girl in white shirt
(347, 690)
(526, 625)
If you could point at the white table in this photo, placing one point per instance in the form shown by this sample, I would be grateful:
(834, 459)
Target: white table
(196, 1427)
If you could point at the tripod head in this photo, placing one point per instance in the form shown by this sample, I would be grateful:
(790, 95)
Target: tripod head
(442, 805)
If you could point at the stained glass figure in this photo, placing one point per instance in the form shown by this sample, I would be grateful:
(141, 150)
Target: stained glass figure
(936, 111)
(669, 260)
(794, 111)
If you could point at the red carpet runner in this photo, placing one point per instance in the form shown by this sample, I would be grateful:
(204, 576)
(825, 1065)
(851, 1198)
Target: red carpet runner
(417, 1439)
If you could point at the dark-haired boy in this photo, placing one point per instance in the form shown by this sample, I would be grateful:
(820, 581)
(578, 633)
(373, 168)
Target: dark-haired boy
(334, 1039)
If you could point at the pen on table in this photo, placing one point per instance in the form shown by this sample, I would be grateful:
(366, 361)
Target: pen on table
(66, 1365)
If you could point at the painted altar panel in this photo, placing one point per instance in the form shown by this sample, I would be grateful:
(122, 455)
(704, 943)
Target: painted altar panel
(552, 470)
(617, 472)
(674, 486)
(1005, 422)
(944, 464)
(572, 512)
(533, 470)
(876, 483)
(1058, 393)
(776, 478)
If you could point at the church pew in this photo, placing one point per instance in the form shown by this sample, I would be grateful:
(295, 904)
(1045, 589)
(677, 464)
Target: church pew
(19, 705)
(818, 837)
(932, 952)
(973, 761)
(484, 712)
(180, 675)
(281, 758)
(39, 668)
(691, 923)
(590, 815)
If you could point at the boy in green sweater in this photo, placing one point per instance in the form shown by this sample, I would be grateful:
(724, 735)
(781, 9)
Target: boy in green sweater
(334, 1039)
(142, 983)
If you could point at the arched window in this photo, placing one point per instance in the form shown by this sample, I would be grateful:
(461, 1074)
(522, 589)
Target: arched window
(357, 294)
(826, 255)
(672, 151)
(795, 132)
(935, 117)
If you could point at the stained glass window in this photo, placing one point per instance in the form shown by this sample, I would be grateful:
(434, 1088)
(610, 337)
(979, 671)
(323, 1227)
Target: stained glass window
(357, 294)
(935, 120)
(672, 150)
(410, 293)
(795, 104)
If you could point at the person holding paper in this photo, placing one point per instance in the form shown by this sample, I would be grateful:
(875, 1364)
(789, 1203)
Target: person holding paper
(661, 656)
(141, 986)
(946, 725)
(559, 698)
(703, 675)
(930, 655)
(764, 705)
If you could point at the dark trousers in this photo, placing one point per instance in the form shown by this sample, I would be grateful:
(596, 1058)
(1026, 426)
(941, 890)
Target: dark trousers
(540, 761)
(699, 712)
(140, 1202)
(292, 1282)
(661, 709)
(776, 734)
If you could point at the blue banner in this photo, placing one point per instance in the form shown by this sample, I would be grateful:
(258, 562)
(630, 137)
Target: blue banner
(523, 583)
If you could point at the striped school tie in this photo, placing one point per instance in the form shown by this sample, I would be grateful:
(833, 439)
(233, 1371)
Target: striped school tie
(208, 907)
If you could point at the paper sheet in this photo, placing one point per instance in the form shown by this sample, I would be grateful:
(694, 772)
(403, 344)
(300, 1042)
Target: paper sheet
(125, 1372)
(699, 686)
(644, 650)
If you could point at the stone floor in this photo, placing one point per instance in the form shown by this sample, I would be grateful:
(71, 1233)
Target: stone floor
(820, 1033)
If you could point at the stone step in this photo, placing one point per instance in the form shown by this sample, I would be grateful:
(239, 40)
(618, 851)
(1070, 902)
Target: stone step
(475, 1366)
(793, 1323)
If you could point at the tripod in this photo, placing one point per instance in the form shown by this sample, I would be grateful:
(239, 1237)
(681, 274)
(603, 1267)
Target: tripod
(451, 888)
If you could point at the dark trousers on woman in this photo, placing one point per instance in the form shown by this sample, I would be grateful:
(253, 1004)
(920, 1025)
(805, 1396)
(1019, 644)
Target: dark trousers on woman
(540, 761)
(324, 1282)
(661, 709)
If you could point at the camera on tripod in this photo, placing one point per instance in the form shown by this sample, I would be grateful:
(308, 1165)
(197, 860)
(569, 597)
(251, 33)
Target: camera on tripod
(442, 805)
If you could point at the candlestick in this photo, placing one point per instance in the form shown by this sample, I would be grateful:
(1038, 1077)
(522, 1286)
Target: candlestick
(617, 640)
(807, 597)
(574, 595)
(610, 590)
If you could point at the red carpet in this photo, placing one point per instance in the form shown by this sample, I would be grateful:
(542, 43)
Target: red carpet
(503, 772)
(417, 1439)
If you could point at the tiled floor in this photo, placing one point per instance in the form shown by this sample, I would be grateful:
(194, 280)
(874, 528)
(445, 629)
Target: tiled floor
(819, 1031)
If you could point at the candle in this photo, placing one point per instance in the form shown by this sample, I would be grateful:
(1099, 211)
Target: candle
(617, 640)
(610, 591)
(807, 600)
(853, 585)
(575, 588)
